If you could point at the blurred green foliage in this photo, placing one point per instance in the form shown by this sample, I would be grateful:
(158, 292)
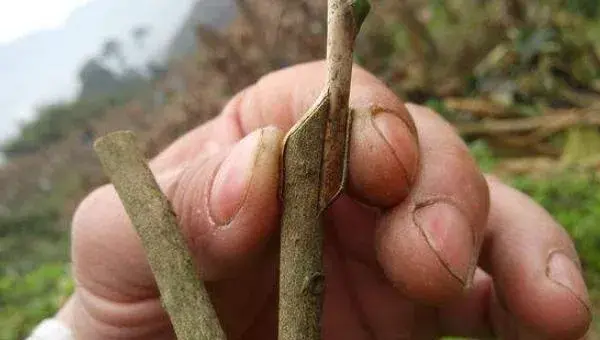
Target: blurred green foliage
(55, 121)
(34, 251)
(23, 237)
(35, 231)
(34, 271)
(572, 197)
(589, 8)
(25, 300)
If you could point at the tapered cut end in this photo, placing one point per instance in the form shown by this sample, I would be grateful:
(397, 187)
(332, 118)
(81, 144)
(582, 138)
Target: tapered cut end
(112, 137)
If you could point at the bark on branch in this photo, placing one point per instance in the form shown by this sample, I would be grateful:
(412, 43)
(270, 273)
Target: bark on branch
(183, 294)
(314, 162)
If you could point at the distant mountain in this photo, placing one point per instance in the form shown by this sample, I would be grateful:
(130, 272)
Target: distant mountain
(43, 67)
(216, 14)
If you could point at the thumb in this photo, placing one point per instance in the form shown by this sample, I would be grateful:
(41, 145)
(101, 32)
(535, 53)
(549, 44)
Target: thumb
(227, 205)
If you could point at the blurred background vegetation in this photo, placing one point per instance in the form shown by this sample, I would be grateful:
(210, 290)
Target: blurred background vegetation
(520, 80)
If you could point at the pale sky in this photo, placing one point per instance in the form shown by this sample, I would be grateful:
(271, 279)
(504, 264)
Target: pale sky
(43, 44)
(21, 17)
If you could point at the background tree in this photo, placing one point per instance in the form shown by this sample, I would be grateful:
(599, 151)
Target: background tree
(112, 49)
(140, 35)
(96, 80)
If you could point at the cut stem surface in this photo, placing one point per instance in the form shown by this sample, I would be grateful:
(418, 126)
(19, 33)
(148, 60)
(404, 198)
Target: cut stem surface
(315, 170)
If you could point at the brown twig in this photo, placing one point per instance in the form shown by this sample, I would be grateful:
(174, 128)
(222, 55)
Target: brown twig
(314, 163)
(550, 122)
(519, 144)
(183, 294)
(478, 107)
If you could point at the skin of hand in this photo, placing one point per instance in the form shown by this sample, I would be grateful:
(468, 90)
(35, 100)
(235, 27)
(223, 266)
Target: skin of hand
(422, 245)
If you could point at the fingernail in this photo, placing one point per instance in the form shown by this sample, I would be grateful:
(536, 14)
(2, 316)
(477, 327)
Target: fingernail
(233, 177)
(398, 135)
(449, 235)
(563, 271)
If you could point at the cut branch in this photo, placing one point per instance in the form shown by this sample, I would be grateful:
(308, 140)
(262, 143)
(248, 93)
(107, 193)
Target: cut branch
(315, 168)
(478, 107)
(183, 294)
(551, 122)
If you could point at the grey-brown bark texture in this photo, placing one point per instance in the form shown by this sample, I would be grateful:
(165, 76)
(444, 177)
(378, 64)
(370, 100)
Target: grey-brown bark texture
(315, 171)
(183, 294)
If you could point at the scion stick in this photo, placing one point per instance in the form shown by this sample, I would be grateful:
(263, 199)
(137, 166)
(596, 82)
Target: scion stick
(315, 159)
(183, 294)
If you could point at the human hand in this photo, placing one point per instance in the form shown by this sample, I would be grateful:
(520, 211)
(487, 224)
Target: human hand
(422, 245)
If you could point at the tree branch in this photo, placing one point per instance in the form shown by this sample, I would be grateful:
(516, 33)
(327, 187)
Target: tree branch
(183, 294)
(315, 168)
(558, 121)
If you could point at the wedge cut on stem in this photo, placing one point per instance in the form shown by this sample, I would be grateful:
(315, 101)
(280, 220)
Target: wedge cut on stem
(315, 157)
